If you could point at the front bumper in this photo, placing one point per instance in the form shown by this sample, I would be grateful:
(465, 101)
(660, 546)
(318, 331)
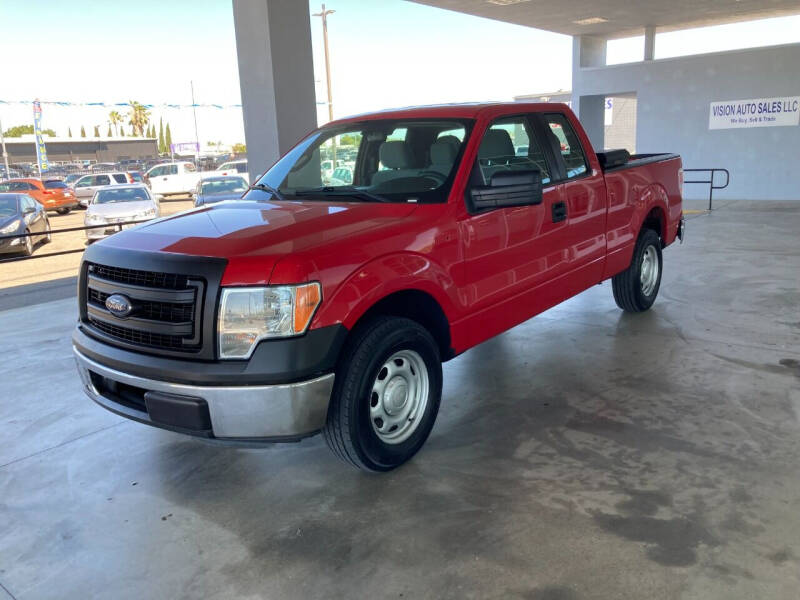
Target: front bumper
(268, 413)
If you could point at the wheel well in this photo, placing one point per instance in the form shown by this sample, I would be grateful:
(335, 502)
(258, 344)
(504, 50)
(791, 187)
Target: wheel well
(420, 307)
(655, 220)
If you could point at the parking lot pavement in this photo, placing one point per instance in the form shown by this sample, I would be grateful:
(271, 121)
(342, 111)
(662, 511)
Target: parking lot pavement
(584, 454)
(60, 267)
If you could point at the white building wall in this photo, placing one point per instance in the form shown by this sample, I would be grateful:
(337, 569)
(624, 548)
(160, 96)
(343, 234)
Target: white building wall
(673, 102)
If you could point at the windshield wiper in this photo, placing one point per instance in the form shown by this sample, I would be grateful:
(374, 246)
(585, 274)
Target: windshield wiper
(263, 187)
(342, 191)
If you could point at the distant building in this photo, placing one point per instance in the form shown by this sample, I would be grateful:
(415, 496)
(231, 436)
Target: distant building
(66, 150)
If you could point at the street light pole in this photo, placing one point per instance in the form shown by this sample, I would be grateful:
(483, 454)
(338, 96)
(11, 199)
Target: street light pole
(324, 14)
(196, 136)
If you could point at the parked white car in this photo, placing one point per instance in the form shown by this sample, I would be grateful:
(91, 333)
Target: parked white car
(173, 178)
(87, 185)
(114, 205)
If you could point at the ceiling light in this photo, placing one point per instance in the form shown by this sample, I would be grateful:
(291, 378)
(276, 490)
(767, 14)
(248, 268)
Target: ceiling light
(591, 21)
(506, 2)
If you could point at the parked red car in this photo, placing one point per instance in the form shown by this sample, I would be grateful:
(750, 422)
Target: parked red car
(308, 307)
(53, 194)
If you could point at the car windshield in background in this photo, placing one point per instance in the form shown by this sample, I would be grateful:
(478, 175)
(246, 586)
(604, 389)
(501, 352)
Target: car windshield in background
(120, 195)
(8, 206)
(385, 160)
(224, 186)
(55, 184)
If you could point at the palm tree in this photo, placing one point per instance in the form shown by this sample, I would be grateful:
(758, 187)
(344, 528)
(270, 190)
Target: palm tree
(115, 119)
(139, 118)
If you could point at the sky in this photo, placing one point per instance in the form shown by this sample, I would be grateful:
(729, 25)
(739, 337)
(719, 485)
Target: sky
(149, 51)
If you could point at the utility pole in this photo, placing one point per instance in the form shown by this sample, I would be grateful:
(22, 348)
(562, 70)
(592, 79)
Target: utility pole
(5, 154)
(324, 14)
(196, 136)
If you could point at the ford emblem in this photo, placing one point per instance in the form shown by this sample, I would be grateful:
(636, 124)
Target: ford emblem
(119, 305)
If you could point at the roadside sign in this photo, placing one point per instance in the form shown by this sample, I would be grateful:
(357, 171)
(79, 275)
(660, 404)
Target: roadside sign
(185, 148)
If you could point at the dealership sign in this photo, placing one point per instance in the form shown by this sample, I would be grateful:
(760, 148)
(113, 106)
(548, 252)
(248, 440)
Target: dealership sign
(760, 112)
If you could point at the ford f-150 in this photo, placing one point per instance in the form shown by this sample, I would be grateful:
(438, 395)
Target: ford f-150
(309, 307)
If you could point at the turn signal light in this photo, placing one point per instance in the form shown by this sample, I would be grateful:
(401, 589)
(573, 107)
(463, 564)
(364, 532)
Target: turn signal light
(306, 301)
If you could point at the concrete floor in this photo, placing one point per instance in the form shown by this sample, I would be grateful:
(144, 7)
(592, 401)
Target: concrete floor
(585, 454)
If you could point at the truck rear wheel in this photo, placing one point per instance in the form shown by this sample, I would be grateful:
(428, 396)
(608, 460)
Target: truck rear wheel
(386, 396)
(636, 288)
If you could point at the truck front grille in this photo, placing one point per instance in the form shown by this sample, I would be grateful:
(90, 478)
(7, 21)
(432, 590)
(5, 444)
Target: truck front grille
(165, 308)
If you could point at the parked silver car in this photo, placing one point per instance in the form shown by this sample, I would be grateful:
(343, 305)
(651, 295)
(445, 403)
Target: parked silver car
(86, 186)
(116, 206)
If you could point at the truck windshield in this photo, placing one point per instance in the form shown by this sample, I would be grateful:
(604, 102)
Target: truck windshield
(372, 161)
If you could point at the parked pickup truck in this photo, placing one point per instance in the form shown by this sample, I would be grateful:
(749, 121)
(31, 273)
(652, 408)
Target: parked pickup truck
(167, 179)
(308, 308)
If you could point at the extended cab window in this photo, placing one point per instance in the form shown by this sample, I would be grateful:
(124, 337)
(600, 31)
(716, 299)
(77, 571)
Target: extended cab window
(570, 146)
(101, 180)
(377, 160)
(508, 145)
(120, 178)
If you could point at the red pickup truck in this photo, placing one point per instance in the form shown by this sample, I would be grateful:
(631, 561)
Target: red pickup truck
(318, 304)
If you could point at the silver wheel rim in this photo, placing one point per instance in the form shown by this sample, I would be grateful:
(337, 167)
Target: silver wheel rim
(399, 397)
(648, 273)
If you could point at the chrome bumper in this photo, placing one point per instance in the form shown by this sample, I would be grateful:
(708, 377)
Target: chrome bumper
(268, 412)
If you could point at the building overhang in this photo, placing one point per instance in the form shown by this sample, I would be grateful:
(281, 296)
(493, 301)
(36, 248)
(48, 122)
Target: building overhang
(618, 18)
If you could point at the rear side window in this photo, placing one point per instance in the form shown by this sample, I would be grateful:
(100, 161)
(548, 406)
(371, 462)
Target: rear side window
(508, 145)
(101, 180)
(570, 146)
(120, 178)
(54, 184)
(171, 170)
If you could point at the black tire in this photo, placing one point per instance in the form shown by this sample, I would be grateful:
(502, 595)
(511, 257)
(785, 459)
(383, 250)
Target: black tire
(63, 211)
(27, 247)
(349, 431)
(48, 237)
(628, 287)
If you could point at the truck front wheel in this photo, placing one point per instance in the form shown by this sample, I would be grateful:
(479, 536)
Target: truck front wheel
(636, 288)
(386, 396)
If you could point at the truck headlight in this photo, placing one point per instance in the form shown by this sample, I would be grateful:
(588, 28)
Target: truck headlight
(11, 228)
(248, 315)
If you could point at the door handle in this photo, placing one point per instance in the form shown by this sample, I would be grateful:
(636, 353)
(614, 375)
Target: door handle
(559, 212)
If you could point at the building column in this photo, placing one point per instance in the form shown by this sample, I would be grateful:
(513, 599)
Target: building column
(276, 75)
(649, 43)
(588, 51)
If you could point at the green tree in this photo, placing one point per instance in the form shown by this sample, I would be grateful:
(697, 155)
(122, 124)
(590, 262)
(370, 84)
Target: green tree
(239, 149)
(138, 117)
(21, 130)
(83, 131)
(162, 147)
(167, 139)
(115, 119)
(122, 132)
(96, 131)
(69, 131)
(108, 133)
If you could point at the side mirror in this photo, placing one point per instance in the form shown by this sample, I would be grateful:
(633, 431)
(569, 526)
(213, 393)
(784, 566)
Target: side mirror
(28, 210)
(508, 188)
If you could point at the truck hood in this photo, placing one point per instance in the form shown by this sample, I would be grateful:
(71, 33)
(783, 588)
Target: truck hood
(120, 209)
(259, 232)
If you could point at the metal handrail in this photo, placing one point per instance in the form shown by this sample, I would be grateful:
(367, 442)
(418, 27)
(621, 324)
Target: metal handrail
(710, 180)
(118, 226)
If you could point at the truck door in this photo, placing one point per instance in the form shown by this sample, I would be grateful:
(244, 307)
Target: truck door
(583, 206)
(510, 250)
